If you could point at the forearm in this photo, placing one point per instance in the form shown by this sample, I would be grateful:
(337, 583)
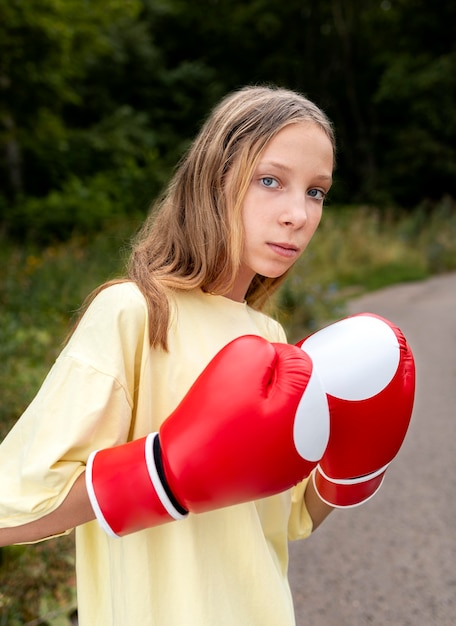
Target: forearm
(74, 510)
(318, 510)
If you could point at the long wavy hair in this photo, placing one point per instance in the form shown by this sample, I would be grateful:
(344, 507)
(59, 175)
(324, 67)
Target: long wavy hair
(193, 236)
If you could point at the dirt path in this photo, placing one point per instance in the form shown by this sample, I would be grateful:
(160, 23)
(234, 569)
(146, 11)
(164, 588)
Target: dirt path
(392, 562)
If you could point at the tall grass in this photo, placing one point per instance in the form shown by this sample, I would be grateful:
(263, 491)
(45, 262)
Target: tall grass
(355, 249)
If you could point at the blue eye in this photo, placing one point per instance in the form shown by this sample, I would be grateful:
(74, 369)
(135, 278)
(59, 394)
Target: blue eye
(317, 194)
(269, 181)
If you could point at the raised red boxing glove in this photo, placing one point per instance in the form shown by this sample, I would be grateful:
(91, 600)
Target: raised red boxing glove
(253, 424)
(368, 372)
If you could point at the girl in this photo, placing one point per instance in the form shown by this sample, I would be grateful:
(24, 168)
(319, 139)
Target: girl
(238, 213)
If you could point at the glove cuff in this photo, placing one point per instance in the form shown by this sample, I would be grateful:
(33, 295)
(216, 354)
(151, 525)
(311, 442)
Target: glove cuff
(125, 489)
(345, 493)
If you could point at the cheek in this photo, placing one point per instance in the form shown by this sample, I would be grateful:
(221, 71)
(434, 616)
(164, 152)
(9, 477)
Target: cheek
(313, 221)
(253, 217)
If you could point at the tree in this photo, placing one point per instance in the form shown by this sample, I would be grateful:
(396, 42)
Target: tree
(110, 93)
(46, 47)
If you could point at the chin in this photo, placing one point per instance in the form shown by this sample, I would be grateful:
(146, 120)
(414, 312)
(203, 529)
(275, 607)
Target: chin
(273, 275)
(277, 273)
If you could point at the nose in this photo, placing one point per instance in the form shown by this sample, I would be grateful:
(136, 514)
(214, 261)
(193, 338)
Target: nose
(294, 214)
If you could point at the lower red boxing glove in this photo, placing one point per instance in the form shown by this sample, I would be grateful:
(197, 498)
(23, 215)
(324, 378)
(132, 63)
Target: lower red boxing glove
(253, 424)
(368, 373)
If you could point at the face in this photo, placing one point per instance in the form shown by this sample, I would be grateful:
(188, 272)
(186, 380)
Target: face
(283, 204)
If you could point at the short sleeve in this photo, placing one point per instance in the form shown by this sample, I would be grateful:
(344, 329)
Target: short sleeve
(85, 403)
(300, 523)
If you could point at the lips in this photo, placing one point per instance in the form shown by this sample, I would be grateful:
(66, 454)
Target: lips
(284, 249)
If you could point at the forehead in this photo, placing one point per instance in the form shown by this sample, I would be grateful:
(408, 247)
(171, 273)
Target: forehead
(295, 132)
(300, 143)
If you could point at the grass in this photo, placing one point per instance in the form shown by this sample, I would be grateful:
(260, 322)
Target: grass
(38, 584)
(356, 249)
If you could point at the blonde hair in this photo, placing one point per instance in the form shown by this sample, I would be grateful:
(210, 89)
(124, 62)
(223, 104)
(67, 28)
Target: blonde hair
(193, 236)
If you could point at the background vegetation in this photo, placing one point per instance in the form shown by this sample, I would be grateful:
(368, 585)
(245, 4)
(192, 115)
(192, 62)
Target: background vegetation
(98, 100)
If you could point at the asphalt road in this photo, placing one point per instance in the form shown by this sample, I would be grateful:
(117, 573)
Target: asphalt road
(392, 561)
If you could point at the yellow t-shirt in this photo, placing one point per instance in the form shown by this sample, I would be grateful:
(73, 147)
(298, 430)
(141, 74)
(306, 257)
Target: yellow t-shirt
(227, 567)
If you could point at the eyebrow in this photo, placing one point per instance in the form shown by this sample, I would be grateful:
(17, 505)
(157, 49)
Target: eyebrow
(285, 168)
(323, 177)
(280, 166)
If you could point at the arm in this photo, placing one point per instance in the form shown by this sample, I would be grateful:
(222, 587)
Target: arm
(317, 509)
(74, 510)
(275, 427)
(218, 448)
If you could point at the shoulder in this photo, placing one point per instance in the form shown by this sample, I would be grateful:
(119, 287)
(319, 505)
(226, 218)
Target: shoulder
(122, 295)
(119, 310)
(119, 300)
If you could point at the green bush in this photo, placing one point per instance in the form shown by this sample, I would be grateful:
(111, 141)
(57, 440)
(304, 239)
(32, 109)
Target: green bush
(85, 206)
